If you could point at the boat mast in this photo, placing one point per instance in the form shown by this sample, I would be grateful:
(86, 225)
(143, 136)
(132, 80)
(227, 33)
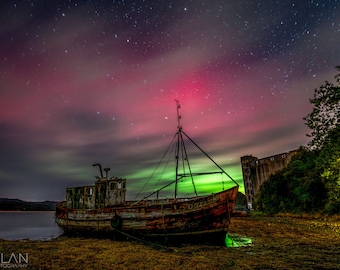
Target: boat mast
(181, 150)
(179, 131)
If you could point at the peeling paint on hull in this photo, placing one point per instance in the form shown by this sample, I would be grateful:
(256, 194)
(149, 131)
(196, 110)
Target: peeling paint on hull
(198, 215)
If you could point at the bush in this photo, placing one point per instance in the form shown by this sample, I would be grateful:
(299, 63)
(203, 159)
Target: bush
(297, 188)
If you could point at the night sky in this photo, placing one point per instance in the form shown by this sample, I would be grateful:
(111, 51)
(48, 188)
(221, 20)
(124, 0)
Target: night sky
(86, 82)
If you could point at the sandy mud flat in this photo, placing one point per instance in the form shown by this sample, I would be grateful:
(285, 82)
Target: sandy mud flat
(277, 243)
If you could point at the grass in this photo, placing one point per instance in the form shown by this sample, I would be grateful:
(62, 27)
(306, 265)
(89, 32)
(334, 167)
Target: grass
(282, 242)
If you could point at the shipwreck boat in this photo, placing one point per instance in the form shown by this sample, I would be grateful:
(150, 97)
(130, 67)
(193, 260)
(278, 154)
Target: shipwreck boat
(103, 208)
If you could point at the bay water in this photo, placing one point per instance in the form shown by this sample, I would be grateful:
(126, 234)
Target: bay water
(33, 225)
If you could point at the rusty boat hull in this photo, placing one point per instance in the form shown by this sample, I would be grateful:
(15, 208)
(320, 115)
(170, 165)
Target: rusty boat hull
(103, 208)
(151, 218)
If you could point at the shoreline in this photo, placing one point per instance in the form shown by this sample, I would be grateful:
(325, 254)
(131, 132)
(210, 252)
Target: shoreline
(277, 243)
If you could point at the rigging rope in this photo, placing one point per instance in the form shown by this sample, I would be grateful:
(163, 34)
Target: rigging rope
(210, 158)
(159, 163)
(165, 167)
(187, 159)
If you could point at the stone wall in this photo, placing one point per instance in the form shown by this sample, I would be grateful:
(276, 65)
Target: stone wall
(256, 171)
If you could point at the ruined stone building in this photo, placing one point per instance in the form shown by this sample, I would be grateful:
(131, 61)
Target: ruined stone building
(256, 171)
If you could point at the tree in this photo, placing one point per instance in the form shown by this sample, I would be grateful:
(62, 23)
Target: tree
(311, 181)
(307, 192)
(328, 164)
(272, 196)
(326, 112)
(297, 188)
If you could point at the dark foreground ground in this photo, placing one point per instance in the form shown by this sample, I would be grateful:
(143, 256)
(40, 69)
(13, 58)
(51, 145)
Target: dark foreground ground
(278, 243)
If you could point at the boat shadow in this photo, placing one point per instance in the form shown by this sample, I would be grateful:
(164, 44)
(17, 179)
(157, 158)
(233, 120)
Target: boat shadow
(158, 242)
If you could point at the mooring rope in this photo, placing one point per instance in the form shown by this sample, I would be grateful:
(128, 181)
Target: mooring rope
(145, 242)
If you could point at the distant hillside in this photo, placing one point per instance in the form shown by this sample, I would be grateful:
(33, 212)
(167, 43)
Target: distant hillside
(19, 205)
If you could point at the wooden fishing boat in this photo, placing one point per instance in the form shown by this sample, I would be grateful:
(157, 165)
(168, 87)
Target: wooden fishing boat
(103, 207)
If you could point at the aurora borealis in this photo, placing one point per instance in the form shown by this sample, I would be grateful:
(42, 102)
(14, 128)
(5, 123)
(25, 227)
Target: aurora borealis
(86, 82)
